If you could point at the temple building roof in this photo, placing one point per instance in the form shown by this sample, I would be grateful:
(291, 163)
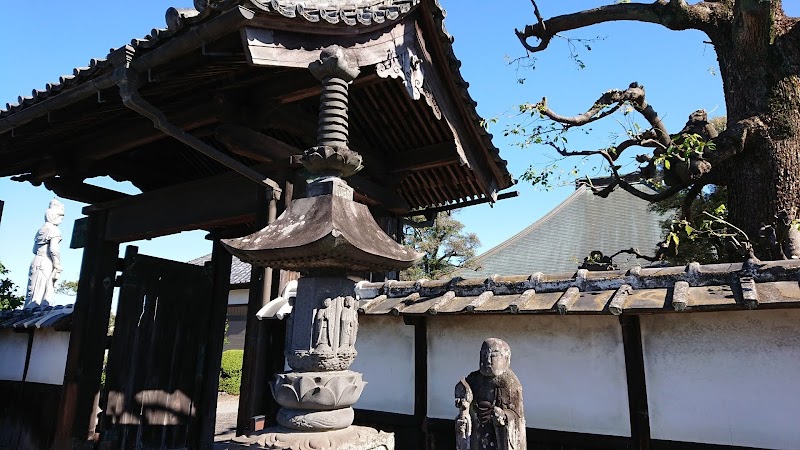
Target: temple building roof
(582, 223)
(210, 75)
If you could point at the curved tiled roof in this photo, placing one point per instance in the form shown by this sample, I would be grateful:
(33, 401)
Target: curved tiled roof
(240, 271)
(695, 287)
(38, 317)
(582, 223)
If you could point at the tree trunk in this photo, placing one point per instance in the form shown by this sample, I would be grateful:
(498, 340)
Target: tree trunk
(760, 76)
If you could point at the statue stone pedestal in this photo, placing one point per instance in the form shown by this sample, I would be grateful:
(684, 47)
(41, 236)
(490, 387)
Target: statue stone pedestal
(350, 438)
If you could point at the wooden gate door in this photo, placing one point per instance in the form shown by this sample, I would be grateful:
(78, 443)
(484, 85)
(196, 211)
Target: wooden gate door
(154, 375)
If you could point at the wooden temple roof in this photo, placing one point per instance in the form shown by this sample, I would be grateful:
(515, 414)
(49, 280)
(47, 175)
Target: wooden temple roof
(422, 140)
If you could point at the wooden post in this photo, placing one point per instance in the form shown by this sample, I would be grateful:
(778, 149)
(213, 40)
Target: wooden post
(2, 203)
(76, 420)
(420, 324)
(637, 388)
(221, 270)
(253, 394)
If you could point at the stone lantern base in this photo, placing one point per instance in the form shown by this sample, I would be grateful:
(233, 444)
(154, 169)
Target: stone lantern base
(350, 438)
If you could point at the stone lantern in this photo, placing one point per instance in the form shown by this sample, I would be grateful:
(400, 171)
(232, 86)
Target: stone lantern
(325, 237)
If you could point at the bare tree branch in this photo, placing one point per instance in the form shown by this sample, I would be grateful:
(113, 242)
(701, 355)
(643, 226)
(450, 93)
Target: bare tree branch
(607, 99)
(673, 14)
(627, 187)
(635, 252)
(634, 95)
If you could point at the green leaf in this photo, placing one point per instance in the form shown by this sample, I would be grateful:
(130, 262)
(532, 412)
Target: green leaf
(666, 164)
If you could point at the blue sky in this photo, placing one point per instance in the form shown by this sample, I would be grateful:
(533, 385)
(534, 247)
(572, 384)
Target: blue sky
(677, 68)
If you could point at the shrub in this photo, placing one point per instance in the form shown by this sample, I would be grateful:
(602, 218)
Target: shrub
(230, 374)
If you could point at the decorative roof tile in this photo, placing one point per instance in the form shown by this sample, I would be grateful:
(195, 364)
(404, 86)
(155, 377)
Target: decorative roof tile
(695, 287)
(57, 317)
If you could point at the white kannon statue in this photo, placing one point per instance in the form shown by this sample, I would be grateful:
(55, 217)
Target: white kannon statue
(46, 264)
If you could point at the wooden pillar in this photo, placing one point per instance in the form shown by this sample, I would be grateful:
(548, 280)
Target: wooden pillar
(255, 397)
(76, 420)
(637, 388)
(221, 272)
(2, 203)
(420, 324)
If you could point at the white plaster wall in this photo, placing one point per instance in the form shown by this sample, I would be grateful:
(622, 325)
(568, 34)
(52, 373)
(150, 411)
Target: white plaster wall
(238, 297)
(730, 378)
(48, 356)
(572, 368)
(13, 349)
(385, 348)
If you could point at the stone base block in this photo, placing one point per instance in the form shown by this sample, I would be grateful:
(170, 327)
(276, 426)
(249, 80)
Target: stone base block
(350, 438)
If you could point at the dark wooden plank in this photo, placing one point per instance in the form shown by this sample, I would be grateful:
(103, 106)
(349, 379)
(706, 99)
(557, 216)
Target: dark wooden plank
(28, 414)
(637, 388)
(156, 372)
(87, 340)
(2, 203)
(221, 270)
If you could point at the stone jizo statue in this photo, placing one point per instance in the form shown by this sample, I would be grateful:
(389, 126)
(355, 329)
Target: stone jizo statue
(46, 265)
(491, 416)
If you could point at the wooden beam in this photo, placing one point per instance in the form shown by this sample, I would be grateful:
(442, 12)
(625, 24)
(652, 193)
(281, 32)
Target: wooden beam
(637, 387)
(81, 192)
(221, 269)
(139, 131)
(251, 144)
(430, 156)
(213, 202)
(77, 419)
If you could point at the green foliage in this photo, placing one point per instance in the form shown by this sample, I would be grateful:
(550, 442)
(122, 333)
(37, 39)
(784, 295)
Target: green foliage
(230, 374)
(701, 238)
(8, 292)
(67, 287)
(686, 147)
(445, 245)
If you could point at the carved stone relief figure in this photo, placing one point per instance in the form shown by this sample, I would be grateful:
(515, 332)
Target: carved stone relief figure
(349, 324)
(496, 416)
(46, 265)
(325, 326)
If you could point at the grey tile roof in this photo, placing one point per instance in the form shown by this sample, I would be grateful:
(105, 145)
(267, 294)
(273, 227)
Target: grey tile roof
(240, 271)
(582, 223)
(58, 317)
(774, 284)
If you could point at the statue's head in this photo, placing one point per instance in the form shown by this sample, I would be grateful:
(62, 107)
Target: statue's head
(55, 212)
(495, 357)
(348, 302)
(327, 302)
